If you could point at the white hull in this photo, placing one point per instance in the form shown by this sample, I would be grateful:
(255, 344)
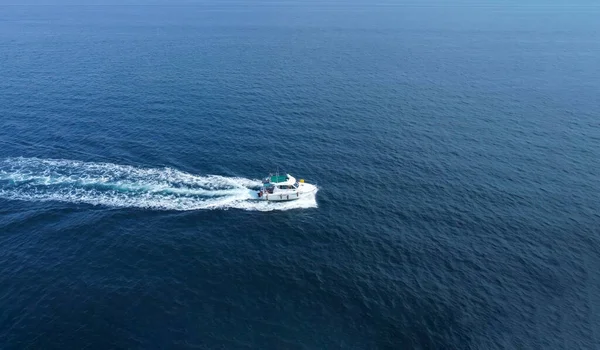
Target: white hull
(304, 191)
(285, 188)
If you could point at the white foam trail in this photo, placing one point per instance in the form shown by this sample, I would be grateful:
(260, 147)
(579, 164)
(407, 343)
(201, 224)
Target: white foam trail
(34, 179)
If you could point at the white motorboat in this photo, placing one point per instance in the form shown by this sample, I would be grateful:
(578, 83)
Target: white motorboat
(278, 188)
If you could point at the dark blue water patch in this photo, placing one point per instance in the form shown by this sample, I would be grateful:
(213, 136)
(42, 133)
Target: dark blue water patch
(455, 149)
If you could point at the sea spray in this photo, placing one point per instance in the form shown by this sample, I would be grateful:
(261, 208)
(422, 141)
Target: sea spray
(125, 186)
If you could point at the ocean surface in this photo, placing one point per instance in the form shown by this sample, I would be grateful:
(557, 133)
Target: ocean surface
(456, 149)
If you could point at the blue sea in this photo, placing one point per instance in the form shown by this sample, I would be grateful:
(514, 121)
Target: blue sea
(455, 146)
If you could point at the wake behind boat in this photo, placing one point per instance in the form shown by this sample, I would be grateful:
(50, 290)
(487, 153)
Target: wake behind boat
(278, 188)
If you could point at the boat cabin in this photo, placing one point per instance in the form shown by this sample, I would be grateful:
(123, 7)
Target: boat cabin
(277, 183)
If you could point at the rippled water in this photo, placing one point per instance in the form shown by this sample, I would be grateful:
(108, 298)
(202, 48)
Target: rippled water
(455, 149)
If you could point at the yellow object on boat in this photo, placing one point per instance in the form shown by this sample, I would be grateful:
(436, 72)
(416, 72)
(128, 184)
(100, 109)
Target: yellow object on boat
(302, 180)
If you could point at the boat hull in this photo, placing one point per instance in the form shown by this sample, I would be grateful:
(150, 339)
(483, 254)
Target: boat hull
(307, 190)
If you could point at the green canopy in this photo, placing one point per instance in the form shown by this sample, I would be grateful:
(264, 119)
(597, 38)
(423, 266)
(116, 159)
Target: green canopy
(281, 178)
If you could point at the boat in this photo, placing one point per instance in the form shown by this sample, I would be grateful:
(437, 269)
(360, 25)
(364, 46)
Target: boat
(279, 188)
